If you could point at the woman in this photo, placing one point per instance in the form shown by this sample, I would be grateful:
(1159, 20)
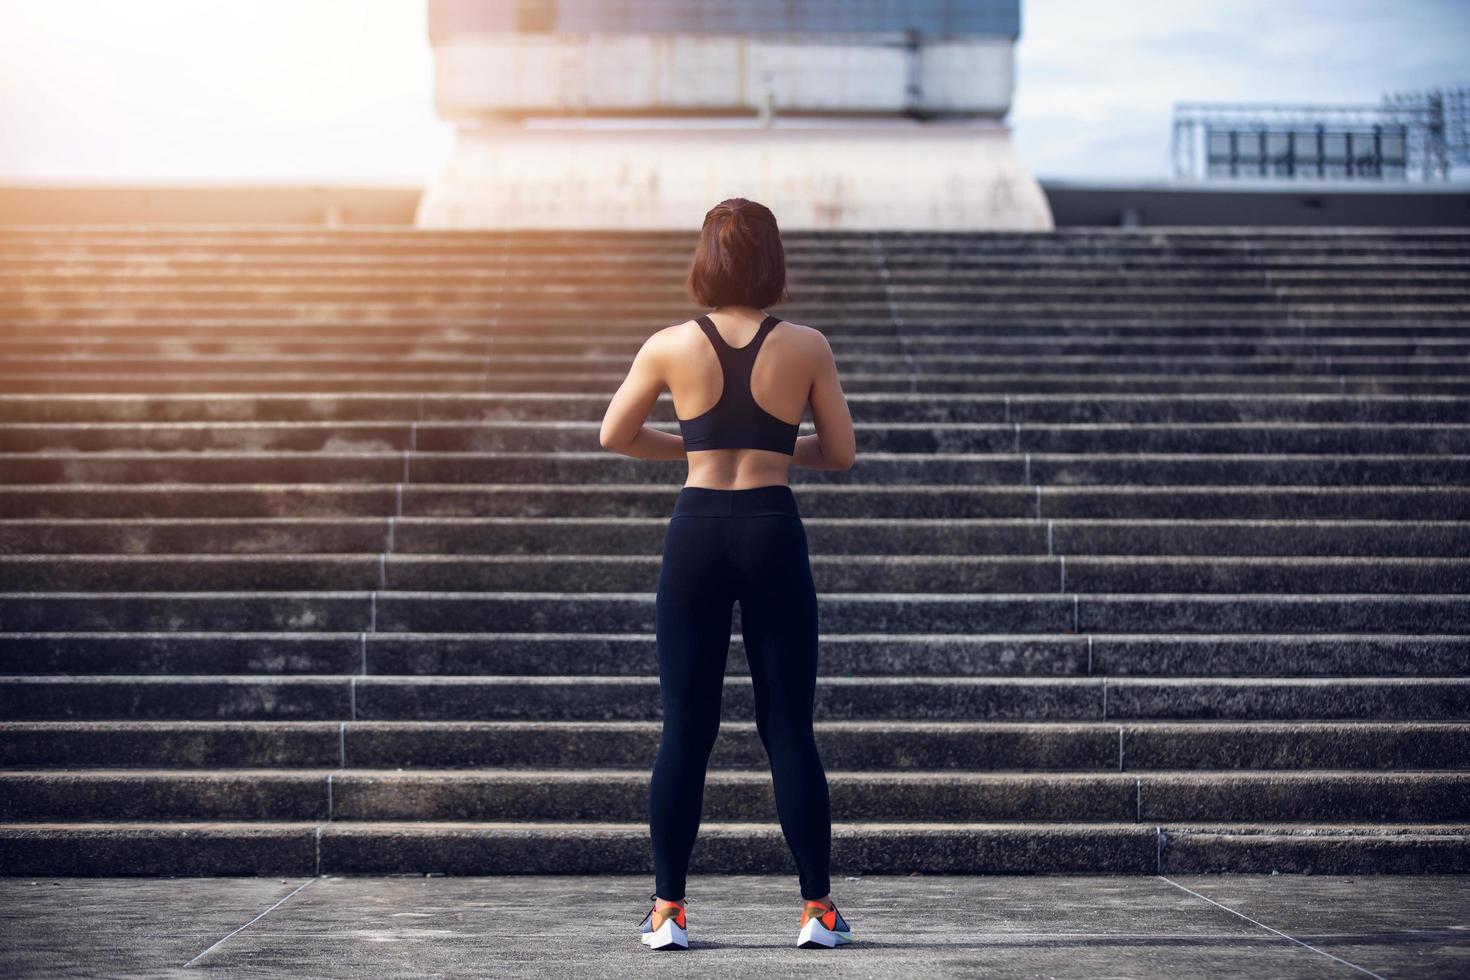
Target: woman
(741, 381)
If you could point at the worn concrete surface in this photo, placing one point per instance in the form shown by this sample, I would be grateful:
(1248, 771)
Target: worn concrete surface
(740, 926)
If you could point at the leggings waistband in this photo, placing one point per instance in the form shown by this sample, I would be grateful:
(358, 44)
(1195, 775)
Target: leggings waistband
(750, 502)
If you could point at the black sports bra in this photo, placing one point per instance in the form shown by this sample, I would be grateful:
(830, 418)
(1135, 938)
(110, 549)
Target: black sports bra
(736, 421)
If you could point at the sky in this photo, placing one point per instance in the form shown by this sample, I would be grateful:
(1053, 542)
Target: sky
(1095, 93)
(341, 91)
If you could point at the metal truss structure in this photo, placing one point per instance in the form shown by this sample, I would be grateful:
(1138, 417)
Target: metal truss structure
(1419, 136)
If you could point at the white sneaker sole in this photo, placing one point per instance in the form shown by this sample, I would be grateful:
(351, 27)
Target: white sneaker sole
(670, 936)
(814, 935)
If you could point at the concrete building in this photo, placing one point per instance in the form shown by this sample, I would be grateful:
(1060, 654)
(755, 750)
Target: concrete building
(836, 114)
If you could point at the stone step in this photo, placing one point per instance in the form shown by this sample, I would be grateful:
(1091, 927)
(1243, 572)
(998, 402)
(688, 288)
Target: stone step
(24, 267)
(590, 367)
(1075, 469)
(846, 311)
(1315, 378)
(964, 543)
(193, 268)
(1090, 746)
(469, 384)
(1403, 321)
(570, 259)
(857, 331)
(615, 654)
(22, 271)
(369, 847)
(644, 283)
(1251, 248)
(452, 612)
(551, 436)
(867, 408)
(1244, 243)
(836, 574)
(561, 241)
(916, 306)
(1146, 322)
(663, 269)
(47, 296)
(1335, 236)
(457, 375)
(440, 346)
(919, 796)
(301, 265)
(185, 272)
(59, 501)
(529, 698)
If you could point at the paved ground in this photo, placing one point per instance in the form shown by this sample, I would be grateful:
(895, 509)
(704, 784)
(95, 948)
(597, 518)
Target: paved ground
(740, 926)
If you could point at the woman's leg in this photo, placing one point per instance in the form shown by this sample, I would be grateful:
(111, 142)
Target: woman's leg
(694, 604)
(778, 614)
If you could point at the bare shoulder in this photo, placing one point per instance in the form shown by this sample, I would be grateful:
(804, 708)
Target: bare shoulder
(802, 332)
(683, 332)
(809, 340)
(671, 340)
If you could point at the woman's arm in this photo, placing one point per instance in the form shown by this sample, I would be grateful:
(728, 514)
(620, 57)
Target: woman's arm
(623, 430)
(834, 447)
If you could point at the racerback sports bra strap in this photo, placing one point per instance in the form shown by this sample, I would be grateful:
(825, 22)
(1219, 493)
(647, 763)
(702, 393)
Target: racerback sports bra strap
(721, 345)
(736, 421)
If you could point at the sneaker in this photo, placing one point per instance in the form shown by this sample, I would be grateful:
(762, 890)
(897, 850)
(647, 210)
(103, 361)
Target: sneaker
(822, 927)
(664, 928)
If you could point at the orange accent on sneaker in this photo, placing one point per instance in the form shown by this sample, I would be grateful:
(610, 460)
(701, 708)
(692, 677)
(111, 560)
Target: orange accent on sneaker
(814, 909)
(673, 911)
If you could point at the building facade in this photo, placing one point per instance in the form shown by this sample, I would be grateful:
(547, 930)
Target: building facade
(841, 114)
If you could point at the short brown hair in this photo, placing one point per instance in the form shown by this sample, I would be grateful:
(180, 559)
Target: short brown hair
(739, 259)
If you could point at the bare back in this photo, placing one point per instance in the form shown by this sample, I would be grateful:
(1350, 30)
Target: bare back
(789, 372)
(780, 382)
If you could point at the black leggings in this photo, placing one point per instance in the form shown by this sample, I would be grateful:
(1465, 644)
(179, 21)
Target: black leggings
(724, 546)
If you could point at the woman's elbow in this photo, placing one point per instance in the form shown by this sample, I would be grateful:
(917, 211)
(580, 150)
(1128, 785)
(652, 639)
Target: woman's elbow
(610, 441)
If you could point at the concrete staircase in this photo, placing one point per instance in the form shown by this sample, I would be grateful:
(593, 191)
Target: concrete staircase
(1154, 558)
